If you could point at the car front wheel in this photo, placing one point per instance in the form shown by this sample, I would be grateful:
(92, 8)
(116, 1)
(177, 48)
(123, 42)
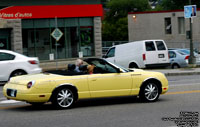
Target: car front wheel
(149, 92)
(63, 98)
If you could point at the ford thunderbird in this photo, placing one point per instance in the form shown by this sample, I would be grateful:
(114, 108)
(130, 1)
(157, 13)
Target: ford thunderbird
(64, 88)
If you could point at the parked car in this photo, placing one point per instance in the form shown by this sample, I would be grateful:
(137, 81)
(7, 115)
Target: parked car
(107, 80)
(196, 55)
(13, 64)
(139, 54)
(187, 51)
(178, 59)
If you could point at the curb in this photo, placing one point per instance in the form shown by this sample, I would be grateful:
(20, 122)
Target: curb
(182, 73)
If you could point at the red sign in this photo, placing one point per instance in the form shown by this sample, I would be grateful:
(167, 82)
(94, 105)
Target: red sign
(51, 11)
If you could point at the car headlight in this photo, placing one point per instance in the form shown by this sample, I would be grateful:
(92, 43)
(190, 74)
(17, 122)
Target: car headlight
(30, 84)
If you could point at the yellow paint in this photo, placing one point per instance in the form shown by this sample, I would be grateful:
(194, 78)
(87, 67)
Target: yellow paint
(88, 86)
(183, 92)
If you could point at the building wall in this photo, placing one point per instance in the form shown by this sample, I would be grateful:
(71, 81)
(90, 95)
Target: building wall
(151, 25)
(16, 33)
(97, 37)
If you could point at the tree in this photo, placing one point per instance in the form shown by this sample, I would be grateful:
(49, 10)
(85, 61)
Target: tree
(115, 24)
(177, 4)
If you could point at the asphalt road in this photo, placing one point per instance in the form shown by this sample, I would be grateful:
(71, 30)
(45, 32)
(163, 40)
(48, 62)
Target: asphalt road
(182, 97)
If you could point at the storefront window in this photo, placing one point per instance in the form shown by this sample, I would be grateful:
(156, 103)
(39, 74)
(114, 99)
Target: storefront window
(87, 40)
(77, 37)
(28, 42)
(42, 43)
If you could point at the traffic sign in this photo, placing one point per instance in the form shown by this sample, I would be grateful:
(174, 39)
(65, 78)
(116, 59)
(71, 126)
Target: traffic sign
(190, 11)
(1, 45)
(57, 34)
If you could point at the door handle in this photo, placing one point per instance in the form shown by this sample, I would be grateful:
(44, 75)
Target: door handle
(94, 79)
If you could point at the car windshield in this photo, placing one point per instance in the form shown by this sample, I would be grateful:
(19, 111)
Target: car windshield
(187, 51)
(118, 66)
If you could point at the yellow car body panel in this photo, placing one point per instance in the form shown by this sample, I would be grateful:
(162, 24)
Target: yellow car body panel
(88, 86)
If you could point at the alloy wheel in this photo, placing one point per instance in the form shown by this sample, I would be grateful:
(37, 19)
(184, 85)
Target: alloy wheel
(151, 92)
(65, 98)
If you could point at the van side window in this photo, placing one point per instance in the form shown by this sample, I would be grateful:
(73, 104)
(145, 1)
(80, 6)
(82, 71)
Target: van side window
(160, 45)
(111, 52)
(150, 46)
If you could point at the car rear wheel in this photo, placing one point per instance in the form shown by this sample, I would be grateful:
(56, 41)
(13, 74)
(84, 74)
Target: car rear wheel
(17, 73)
(149, 92)
(133, 65)
(63, 98)
(175, 66)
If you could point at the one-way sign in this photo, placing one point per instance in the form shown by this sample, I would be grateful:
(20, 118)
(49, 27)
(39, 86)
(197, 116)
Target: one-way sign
(57, 34)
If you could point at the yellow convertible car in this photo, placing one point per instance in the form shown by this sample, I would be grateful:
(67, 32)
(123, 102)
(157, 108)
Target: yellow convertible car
(64, 88)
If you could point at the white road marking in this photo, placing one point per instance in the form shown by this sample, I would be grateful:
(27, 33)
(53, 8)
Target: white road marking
(9, 102)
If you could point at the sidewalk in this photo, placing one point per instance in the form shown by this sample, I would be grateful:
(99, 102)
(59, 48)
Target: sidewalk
(180, 71)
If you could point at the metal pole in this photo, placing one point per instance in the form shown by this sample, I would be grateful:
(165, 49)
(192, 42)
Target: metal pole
(56, 26)
(191, 58)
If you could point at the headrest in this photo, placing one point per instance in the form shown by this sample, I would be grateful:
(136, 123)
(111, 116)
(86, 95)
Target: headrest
(83, 68)
(71, 67)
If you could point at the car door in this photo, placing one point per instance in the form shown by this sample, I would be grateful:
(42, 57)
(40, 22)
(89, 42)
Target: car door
(151, 53)
(5, 65)
(110, 83)
(162, 52)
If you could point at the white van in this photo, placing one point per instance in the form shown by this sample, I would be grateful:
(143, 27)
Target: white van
(139, 54)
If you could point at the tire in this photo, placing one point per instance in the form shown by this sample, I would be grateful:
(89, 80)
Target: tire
(133, 65)
(175, 66)
(149, 92)
(63, 98)
(17, 73)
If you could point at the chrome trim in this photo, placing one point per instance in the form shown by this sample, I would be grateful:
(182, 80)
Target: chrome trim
(151, 78)
(66, 84)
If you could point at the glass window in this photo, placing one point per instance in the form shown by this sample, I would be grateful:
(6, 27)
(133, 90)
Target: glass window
(150, 46)
(42, 43)
(168, 26)
(28, 42)
(181, 25)
(111, 52)
(6, 56)
(104, 67)
(172, 54)
(77, 37)
(87, 45)
(160, 45)
(60, 45)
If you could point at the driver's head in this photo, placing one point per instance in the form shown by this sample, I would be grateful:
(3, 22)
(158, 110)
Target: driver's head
(79, 62)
